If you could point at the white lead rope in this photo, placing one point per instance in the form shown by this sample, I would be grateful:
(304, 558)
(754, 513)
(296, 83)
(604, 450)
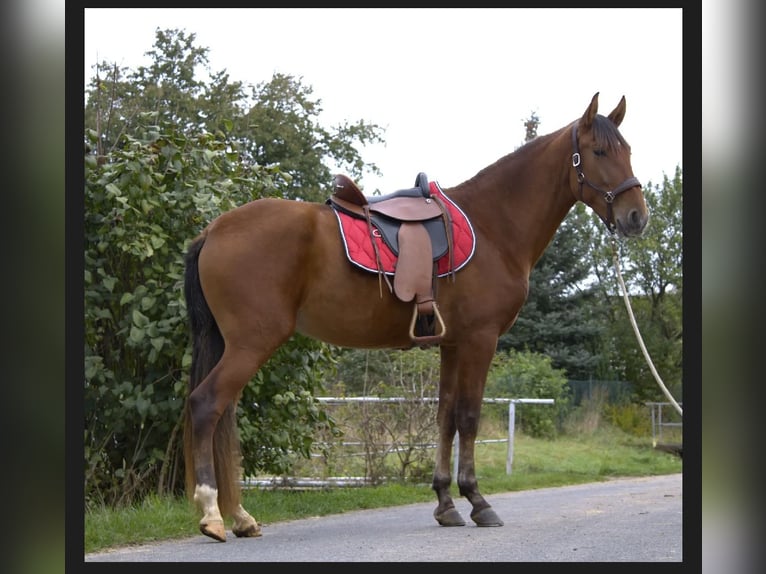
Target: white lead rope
(635, 329)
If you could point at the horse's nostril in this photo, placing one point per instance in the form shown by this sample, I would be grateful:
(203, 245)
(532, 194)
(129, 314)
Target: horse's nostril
(634, 222)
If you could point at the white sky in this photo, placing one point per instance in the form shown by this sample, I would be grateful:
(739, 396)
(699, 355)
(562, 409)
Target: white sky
(452, 87)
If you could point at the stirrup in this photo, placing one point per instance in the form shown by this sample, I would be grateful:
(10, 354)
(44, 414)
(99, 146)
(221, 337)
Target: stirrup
(427, 340)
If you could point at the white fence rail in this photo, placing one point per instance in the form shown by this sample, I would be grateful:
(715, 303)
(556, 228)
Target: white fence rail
(354, 481)
(662, 419)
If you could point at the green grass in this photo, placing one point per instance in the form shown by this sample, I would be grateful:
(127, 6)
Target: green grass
(537, 463)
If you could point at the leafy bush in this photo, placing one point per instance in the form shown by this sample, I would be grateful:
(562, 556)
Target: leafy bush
(390, 431)
(632, 418)
(168, 149)
(142, 204)
(518, 375)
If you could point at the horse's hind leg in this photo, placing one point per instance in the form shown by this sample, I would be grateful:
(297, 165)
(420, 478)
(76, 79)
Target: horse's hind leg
(244, 524)
(212, 406)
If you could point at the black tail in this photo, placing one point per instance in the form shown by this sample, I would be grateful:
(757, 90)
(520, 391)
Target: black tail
(207, 343)
(207, 350)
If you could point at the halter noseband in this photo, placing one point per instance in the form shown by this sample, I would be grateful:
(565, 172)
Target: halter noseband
(608, 195)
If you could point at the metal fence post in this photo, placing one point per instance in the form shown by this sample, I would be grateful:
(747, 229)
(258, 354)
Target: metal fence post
(456, 441)
(455, 454)
(511, 427)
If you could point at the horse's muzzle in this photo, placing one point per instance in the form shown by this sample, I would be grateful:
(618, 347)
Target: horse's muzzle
(633, 225)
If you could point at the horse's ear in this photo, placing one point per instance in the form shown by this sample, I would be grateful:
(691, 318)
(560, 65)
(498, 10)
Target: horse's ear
(618, 113)
(590, 113)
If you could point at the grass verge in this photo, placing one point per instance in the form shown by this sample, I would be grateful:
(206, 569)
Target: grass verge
(537, 463)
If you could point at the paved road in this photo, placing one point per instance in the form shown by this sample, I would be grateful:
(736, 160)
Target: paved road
(631, 520)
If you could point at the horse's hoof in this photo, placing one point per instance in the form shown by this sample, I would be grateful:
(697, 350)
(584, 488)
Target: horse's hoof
(250, 531)
(214, 529)
(449, 517)
(486, 517)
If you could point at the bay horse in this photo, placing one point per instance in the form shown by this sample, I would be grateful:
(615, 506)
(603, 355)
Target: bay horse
(272, 267)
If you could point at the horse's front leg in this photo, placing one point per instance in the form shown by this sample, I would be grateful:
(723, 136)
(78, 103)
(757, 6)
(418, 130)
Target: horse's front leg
(482, 513)
(445, 513)
(473, 367)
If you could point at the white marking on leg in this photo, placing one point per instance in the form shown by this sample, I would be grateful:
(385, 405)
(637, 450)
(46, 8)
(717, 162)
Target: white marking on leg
(206, 498)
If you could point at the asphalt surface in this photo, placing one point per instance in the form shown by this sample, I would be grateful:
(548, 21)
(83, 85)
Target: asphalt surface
(622, 520)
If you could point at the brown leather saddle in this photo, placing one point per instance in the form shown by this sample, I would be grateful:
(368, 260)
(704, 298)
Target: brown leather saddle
(416, 225)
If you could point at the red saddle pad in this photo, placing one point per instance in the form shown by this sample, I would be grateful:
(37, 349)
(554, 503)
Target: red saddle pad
(360, 252)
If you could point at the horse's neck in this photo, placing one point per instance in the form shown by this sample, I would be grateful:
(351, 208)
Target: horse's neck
(521, 200)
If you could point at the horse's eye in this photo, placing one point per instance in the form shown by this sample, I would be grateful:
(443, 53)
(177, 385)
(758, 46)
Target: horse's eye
(599, 152)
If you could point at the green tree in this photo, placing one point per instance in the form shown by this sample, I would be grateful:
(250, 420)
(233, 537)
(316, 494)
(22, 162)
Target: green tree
(385, 372)
(531, 124)
(165, 153)
(141, 209)
(273, 123)
(515, 374)
(285, 130)
(170, 87)
(651, 267)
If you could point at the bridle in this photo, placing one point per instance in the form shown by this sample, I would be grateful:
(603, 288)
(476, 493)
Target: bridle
(609, 196)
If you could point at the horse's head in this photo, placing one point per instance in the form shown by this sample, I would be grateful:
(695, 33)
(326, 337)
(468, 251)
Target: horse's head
(602, 172)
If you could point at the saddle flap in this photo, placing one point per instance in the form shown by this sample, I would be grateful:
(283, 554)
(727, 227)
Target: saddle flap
(414, 268)
(407, 208)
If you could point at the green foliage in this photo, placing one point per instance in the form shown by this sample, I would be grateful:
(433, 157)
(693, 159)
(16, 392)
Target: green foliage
(656, 271)
(273, 123)
(651, 267)
(169, 87)
(617, 392)
(168, 149)
(277, 414)
(141, 207)
(529, 375)
(281, 127)
(384, 429)
(387, 373)
(630, 418)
